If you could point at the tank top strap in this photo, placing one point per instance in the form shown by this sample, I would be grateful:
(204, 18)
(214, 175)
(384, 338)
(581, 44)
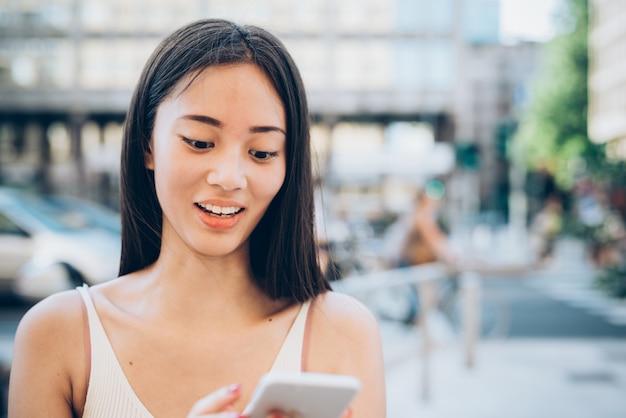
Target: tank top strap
(107, 381)
(292, 354)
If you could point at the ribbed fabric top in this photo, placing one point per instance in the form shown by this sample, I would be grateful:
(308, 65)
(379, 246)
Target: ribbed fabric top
(109, 394)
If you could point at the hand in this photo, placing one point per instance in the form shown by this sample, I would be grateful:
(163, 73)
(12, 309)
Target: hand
(218, 404)
(278, 414)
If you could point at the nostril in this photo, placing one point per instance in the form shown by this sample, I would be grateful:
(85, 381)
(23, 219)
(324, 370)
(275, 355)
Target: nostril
(229, 176)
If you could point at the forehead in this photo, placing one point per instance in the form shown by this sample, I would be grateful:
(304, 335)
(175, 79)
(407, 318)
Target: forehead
(224, 84)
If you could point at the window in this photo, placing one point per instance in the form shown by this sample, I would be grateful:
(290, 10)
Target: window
(8, 227)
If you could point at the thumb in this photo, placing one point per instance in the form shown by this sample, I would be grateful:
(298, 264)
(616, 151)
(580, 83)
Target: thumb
(347, 413)
(220, 400)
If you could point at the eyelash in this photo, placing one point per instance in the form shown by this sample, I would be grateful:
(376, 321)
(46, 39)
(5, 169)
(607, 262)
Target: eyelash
(263, 155)
(203, 145)
(194, 144)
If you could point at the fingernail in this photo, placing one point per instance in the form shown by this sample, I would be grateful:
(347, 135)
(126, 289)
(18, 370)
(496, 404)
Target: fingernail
(234, 388)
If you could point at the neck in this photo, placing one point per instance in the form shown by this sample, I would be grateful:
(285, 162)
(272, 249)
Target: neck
(192, 289)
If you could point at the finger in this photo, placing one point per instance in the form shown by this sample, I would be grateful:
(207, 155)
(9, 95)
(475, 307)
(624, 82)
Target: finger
(219, 401)
(277, 414)
(348, 413)
(218, 415)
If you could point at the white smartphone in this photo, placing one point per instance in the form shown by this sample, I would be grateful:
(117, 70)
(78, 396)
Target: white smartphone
(302, 395)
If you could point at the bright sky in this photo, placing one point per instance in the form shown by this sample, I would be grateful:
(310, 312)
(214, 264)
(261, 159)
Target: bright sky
(527, 19)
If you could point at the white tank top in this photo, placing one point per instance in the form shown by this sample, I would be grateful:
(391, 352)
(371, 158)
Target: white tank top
(109, 395)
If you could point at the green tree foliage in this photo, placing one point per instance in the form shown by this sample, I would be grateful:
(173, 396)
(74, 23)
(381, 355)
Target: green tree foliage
(554, 129)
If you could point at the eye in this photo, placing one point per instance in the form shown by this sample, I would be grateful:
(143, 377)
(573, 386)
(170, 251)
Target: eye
(198, 144)
(263, 155)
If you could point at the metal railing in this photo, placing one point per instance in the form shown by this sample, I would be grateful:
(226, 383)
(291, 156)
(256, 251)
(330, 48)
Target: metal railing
(425, 278)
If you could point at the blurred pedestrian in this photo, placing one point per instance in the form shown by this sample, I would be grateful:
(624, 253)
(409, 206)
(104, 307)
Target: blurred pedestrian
(425, 241)
(417, 238)
(545, 228)
(219, 279)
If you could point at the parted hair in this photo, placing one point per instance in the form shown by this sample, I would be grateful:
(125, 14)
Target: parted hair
(283, 253)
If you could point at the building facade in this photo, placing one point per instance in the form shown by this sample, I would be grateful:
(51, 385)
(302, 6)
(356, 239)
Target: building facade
(67, 68)
(607, 76)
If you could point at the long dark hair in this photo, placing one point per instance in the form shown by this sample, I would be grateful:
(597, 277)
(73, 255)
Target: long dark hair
(283, 254)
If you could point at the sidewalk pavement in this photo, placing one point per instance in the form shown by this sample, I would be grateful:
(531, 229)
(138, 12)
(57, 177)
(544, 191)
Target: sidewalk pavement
(511, 378)
(515, 378)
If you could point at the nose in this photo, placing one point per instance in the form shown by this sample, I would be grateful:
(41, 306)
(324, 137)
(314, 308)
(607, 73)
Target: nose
(227, 172)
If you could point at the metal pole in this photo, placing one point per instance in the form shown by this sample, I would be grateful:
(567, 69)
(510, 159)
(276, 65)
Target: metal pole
(427, 298)
(470, 293)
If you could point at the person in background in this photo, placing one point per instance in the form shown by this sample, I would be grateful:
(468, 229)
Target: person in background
(219, 277)
(416, 238)
(545, 228)
(424, 240)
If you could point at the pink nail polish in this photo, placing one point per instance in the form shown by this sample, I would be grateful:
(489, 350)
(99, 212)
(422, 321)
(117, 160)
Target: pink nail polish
(234, 388)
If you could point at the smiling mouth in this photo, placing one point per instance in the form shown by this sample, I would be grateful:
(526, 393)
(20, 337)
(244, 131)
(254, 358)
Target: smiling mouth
(220, 211)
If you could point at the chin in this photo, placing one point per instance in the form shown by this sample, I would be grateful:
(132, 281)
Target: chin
(221, 251)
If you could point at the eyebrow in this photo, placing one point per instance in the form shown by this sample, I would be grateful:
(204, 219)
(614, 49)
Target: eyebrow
(216, 123)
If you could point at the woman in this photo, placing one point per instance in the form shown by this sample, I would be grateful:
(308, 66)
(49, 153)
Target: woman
(219, 281)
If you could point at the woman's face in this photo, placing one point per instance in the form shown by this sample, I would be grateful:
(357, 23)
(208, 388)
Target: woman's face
(218, 155)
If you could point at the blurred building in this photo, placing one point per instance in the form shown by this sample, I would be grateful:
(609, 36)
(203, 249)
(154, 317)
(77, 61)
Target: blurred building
(481, 21)
(381, 75)
(607, 75)
(496, 88)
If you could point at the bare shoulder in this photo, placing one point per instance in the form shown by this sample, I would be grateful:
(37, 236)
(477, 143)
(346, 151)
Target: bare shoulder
(341, 326)
(52, 327)
(345, 313)
(48, 357)
(345, 339)
(56, 316)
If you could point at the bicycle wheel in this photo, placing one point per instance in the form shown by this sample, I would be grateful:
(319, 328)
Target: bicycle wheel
(494, 314)
(398, 304)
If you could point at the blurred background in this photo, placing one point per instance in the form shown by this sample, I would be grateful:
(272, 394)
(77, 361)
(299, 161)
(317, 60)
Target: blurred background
(511, 113)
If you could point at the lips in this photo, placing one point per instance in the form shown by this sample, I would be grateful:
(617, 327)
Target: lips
(221, 211)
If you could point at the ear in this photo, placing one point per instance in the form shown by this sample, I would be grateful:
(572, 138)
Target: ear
(149, 157)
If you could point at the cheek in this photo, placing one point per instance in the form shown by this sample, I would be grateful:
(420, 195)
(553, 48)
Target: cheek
(169, 171)
(275, 182)
(266, 185)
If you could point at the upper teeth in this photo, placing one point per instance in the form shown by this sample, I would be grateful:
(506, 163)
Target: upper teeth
(228, 210)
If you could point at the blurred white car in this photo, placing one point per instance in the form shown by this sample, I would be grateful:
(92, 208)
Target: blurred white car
(53, 243)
